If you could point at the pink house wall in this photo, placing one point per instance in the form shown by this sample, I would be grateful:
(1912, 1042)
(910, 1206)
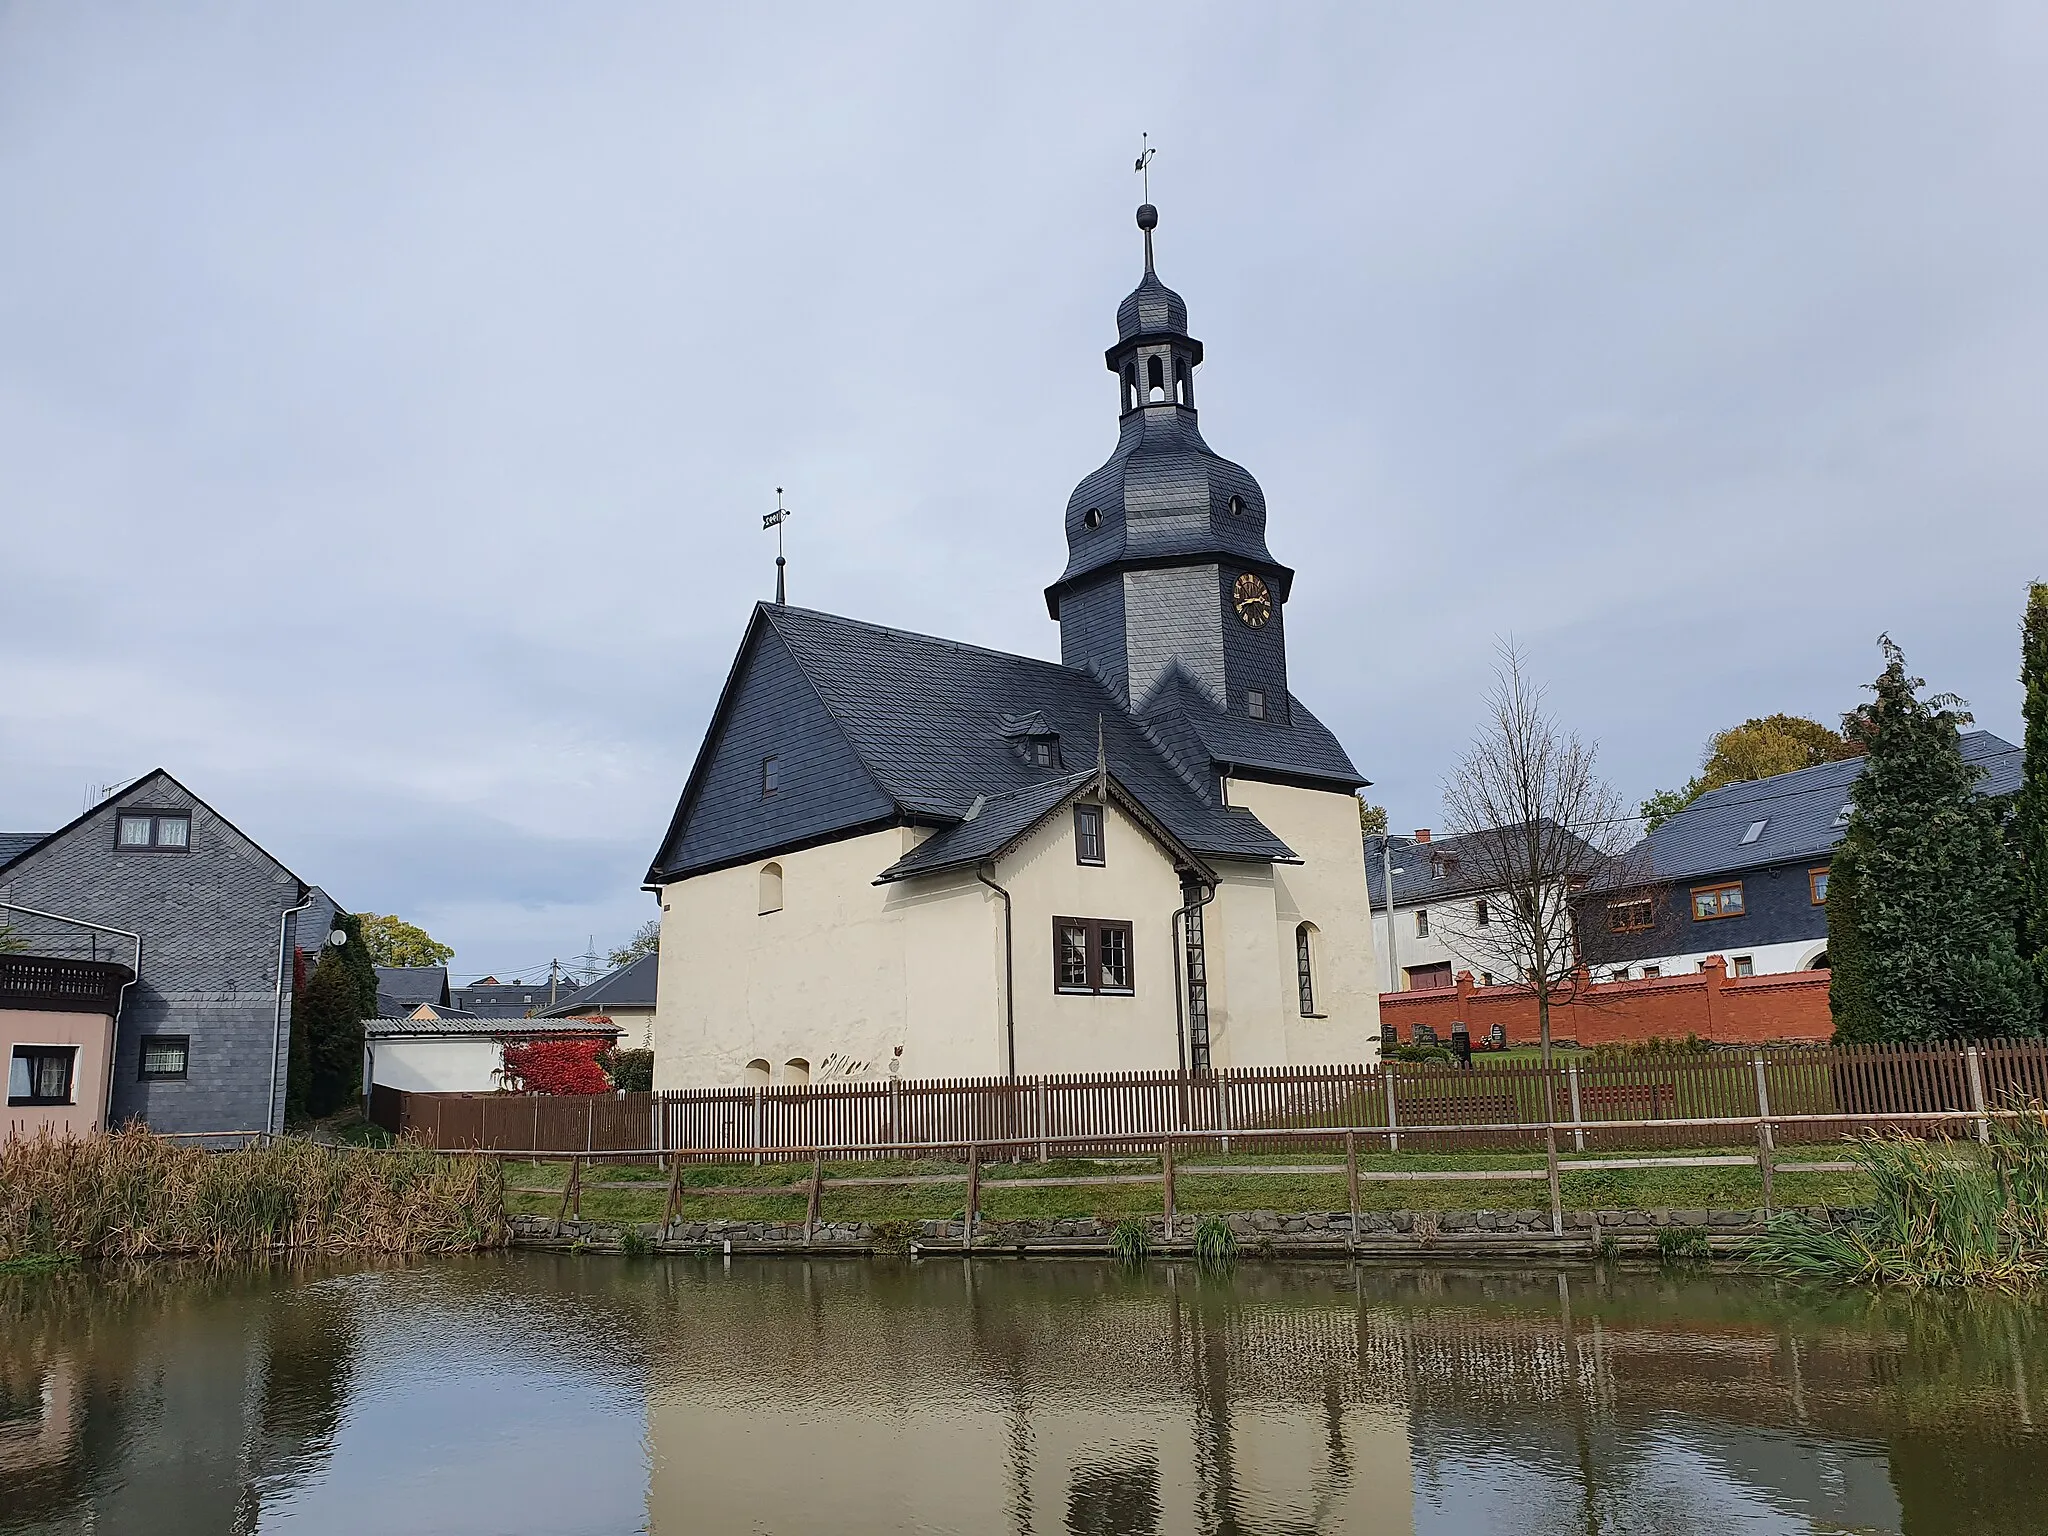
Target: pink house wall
(93, 1034)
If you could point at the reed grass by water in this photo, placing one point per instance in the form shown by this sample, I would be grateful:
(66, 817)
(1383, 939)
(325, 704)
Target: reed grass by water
(132, 1195)
(1942, 1214)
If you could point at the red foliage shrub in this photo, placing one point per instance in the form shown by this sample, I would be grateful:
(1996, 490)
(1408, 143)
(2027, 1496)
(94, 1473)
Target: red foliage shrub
(557, 1066)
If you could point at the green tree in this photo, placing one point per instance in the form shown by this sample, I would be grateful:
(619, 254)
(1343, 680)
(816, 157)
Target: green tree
(333, 1026)
(394, 941)
(646, 940)
(355, 955)
(1921, 899)
(1372, 819)
(1755, 749)
(2030, 812)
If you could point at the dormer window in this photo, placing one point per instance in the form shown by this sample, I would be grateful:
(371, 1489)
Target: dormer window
(1255, 703)
(1043, 751)
(156, 831)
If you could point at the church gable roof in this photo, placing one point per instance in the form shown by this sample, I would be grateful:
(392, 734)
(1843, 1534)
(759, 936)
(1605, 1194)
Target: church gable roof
(870, 726)
(927, 718)
(769, 710)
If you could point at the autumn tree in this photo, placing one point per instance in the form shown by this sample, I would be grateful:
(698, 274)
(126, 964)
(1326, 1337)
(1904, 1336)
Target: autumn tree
(646, 940)
(1922, 943)
(394, 941)
(1755, 749)
(1535, 823)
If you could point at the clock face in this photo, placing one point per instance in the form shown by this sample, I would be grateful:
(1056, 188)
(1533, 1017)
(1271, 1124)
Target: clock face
(1254, 604)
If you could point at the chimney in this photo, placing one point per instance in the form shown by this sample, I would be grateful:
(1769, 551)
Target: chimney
(1422, 834)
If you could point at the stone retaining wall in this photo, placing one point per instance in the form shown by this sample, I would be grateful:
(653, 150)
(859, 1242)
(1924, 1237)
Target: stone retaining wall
(1316, 1231)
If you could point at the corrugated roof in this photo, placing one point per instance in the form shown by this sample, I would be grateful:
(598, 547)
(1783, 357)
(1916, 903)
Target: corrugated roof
(1801, 814)
(486, 1029)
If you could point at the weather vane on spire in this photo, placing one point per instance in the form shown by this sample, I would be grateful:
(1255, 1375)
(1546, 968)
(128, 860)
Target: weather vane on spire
(775, 520)
(1144, 165)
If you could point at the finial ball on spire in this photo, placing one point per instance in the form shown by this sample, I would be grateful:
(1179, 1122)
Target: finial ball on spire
(1148, 217)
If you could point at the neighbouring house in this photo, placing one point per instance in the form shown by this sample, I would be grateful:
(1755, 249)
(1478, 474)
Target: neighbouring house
(156, 880)
(458, 1055)
(490, 998)
(403, 988)
(1447, 911)
(624, 996)
(57, 1018)
(900, 850)
(1742, 872)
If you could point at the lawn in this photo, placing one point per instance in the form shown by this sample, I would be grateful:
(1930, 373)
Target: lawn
(1019, 1191)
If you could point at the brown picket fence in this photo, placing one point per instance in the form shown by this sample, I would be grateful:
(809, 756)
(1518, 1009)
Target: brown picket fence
(1589, 1104)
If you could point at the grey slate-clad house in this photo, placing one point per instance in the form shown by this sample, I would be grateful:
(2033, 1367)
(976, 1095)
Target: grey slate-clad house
(1742, 873)
(899, 848)
(402, 988)
(493, 999)
(201, 1040)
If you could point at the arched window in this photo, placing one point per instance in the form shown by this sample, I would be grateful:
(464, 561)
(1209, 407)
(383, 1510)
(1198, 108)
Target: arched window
(796, 1070)
(756, 1075)
(771, 889)
(1304, 967)
(1182, 390)
(1130, 386)
(1155, 379)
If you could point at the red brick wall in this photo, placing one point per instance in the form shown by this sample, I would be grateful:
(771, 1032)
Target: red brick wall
(1748, 1010)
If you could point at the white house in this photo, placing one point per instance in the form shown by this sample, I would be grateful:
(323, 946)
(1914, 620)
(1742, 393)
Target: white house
(899, 848)
(427, 1053)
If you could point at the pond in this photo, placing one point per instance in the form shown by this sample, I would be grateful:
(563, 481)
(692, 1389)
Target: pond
(559, 1393)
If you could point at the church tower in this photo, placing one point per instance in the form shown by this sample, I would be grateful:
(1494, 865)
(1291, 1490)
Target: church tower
(1167, 566)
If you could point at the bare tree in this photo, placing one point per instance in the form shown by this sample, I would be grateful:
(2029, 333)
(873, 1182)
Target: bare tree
(1536, 824)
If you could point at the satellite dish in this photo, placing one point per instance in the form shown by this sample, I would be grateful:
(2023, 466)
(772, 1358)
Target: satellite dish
(338, 937)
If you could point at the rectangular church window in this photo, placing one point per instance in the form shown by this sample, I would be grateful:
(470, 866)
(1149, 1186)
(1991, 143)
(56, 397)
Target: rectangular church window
(1088, 834)
(1091, 955)
(771, 776)
(1255, 703)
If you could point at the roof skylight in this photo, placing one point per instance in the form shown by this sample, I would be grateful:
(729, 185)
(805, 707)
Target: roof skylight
(1755, 830)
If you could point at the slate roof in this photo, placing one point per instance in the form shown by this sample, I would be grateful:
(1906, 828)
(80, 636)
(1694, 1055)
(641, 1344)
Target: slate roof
(411, 985)
(509, 1002)
(487, 1029)
(630, 986)
(1799, 812)
(1416, 882)
(926, 718)
(14, 844)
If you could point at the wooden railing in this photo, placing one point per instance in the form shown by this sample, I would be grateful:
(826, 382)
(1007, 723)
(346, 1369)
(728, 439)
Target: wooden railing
(53, 984)
(1681, 1101)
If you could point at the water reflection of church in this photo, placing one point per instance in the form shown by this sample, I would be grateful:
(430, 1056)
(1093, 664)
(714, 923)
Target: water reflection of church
(980, 1398)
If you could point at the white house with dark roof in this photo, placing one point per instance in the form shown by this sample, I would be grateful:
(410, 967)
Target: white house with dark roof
(1742, 872)
(899, 852)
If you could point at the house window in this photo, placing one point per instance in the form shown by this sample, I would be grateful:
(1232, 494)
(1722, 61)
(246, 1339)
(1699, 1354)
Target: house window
(1745, 965)
(771, 889)
(771, 776)
(1712, 901)
(1304, 970)
(1255, 703)
(1422, 923)
(1817, 886)
(164, 1057)
(1755, 830)
(1442, 865)
(1652, 972)
(1042, 752)
(161, 831)
(1430, 978)
(1486, 978)
(41, 1074)
(1629, 916)
(1088, 834)
(1482, 915)
(1091, 954)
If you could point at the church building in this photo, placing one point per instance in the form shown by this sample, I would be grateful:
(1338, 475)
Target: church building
(902, 854)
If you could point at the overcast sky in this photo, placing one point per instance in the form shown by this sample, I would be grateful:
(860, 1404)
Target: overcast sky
(389, 395)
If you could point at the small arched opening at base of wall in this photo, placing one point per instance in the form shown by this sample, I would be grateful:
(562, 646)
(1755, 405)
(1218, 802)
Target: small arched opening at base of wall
(771, 889)
(1818, 963)
(756, 1074)
(796, 1071)
(1305, 967)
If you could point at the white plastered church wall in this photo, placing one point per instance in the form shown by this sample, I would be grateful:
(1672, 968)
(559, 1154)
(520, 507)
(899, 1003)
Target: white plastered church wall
(1327, 890)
